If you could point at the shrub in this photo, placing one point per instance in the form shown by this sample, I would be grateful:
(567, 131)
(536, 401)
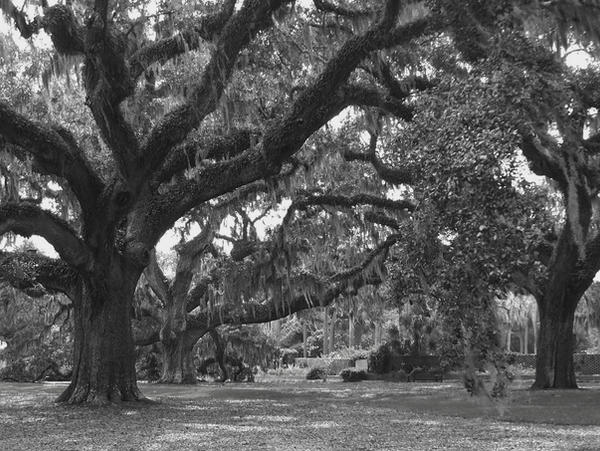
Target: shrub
(379, 361)
(288, 356)
(316, 373)
(353, 375)
(386, 357)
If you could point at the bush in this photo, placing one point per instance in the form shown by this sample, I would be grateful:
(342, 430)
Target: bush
(386, 357)
(288, 356)
(353, 375)
(316, 373)
(379, 361)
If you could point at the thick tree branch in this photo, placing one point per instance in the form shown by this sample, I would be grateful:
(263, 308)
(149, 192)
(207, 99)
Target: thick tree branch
(307, 200)
(206, 29)
(55, 152)
(253, 313)
(34, 273)
(396, 176)
(208, 147)
(28, 219)
(541, 160)
(329, 7)
(313, 108)
(156, 279)
(366, 96)
(254, 16)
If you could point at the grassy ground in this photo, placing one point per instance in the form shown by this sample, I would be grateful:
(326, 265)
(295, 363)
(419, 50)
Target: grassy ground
(303, 415)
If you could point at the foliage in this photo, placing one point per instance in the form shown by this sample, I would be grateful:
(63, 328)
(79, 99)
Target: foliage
(316, 373)
(353, 375)
(37, 332)
(385, 358)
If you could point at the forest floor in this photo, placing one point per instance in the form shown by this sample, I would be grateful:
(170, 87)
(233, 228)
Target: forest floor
(276, 414)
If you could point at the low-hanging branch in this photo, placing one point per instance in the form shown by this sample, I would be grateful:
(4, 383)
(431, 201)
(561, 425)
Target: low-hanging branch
(25, 218)
(36, 274)
(253, 312)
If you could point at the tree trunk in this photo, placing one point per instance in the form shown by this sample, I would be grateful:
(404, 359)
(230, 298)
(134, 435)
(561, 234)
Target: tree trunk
(220, 348)
(508, 337)
(554, 362)
(325, 331)
(526, 336)
(332, 330)
(304, 338)
(178, 362)
(351, 330)
(104, 354)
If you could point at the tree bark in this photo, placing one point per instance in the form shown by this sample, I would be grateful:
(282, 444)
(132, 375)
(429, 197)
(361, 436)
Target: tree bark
(304, 338)
(554, 363)
(178, 362)
(104, 354)
(351, 330)
(332, 330)
(326, 331)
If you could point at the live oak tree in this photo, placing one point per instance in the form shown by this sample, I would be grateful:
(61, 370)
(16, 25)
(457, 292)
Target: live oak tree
(319, 251)
(142, 189)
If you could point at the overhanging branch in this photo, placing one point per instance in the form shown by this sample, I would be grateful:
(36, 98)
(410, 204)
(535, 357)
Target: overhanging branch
(28, 219)
(34, 273)
(55, 152)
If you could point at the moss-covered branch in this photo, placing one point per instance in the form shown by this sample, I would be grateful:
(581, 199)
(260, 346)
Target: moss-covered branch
(25, 218)
(37, 274)
(54, 151)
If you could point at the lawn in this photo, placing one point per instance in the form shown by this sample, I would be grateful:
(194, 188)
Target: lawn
(303, 415)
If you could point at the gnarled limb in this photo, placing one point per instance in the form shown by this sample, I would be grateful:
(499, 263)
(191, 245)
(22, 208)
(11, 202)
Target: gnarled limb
(240, 29)
(206, 29)
(254, 312)
(397, 176)
(36, 274)
(208, 147)
(330, 7)
(366, 96)
(25, 218)
(54, 152)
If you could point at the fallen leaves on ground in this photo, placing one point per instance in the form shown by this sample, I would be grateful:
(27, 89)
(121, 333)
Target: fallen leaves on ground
(302, 415)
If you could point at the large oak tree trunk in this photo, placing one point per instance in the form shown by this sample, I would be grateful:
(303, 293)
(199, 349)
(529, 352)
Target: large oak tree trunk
(178, 363)
(554, 363)
(104, 354)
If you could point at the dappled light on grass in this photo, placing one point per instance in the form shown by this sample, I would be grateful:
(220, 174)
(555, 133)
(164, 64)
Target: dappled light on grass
(332, 415)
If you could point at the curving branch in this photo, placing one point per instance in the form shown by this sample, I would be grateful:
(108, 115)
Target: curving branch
(329, 7)
(314, 107)
(240, 29)
(542, 160)
(54, 152)
(366, 96)
(206, 29)
(396, 176)
(37, 274)
(208, 147)
(333, 200)
(254, 312)
(25, 218)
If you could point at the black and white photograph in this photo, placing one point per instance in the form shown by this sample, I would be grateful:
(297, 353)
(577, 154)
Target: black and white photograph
(299, 225)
